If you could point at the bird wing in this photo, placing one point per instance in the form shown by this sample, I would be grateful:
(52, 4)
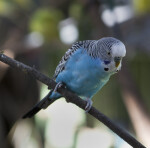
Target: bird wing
(61, 66)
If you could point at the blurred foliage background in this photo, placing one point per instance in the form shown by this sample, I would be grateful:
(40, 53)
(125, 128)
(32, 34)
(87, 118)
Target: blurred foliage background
(38, 33)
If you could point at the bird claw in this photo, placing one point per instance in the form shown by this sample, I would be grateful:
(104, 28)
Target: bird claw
(88, 105)
(58, 85)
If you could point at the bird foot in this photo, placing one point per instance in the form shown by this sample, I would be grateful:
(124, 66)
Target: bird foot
(58, 85)
(88, 105)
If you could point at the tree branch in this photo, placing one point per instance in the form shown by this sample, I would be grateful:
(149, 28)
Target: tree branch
(70, 97)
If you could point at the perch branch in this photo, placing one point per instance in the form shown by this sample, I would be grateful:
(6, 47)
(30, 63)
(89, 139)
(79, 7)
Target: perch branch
(70, 97)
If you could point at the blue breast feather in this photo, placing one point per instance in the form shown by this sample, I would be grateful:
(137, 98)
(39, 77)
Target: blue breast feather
(83, 74)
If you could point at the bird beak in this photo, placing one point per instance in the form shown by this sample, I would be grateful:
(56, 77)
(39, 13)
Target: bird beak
(117, 61)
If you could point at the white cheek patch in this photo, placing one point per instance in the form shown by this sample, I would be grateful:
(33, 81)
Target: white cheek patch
(112, 66)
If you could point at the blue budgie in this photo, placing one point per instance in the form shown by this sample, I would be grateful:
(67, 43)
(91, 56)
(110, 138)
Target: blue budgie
(84, 69)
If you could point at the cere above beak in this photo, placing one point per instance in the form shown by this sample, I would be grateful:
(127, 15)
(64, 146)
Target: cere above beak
(117, 61)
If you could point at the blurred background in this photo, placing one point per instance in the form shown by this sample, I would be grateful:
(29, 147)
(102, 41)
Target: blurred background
(37, 33)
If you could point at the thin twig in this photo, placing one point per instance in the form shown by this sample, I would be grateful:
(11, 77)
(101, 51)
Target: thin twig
(70, 97)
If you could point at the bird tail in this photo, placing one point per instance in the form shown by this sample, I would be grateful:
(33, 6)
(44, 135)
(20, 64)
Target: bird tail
(43, 104)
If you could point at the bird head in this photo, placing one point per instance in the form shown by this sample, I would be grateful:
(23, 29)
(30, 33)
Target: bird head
(112, 52)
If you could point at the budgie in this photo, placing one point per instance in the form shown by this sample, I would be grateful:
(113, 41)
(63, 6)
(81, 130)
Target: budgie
(84, 69)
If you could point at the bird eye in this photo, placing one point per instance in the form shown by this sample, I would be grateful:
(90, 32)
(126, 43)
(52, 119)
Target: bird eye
(108, 53)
